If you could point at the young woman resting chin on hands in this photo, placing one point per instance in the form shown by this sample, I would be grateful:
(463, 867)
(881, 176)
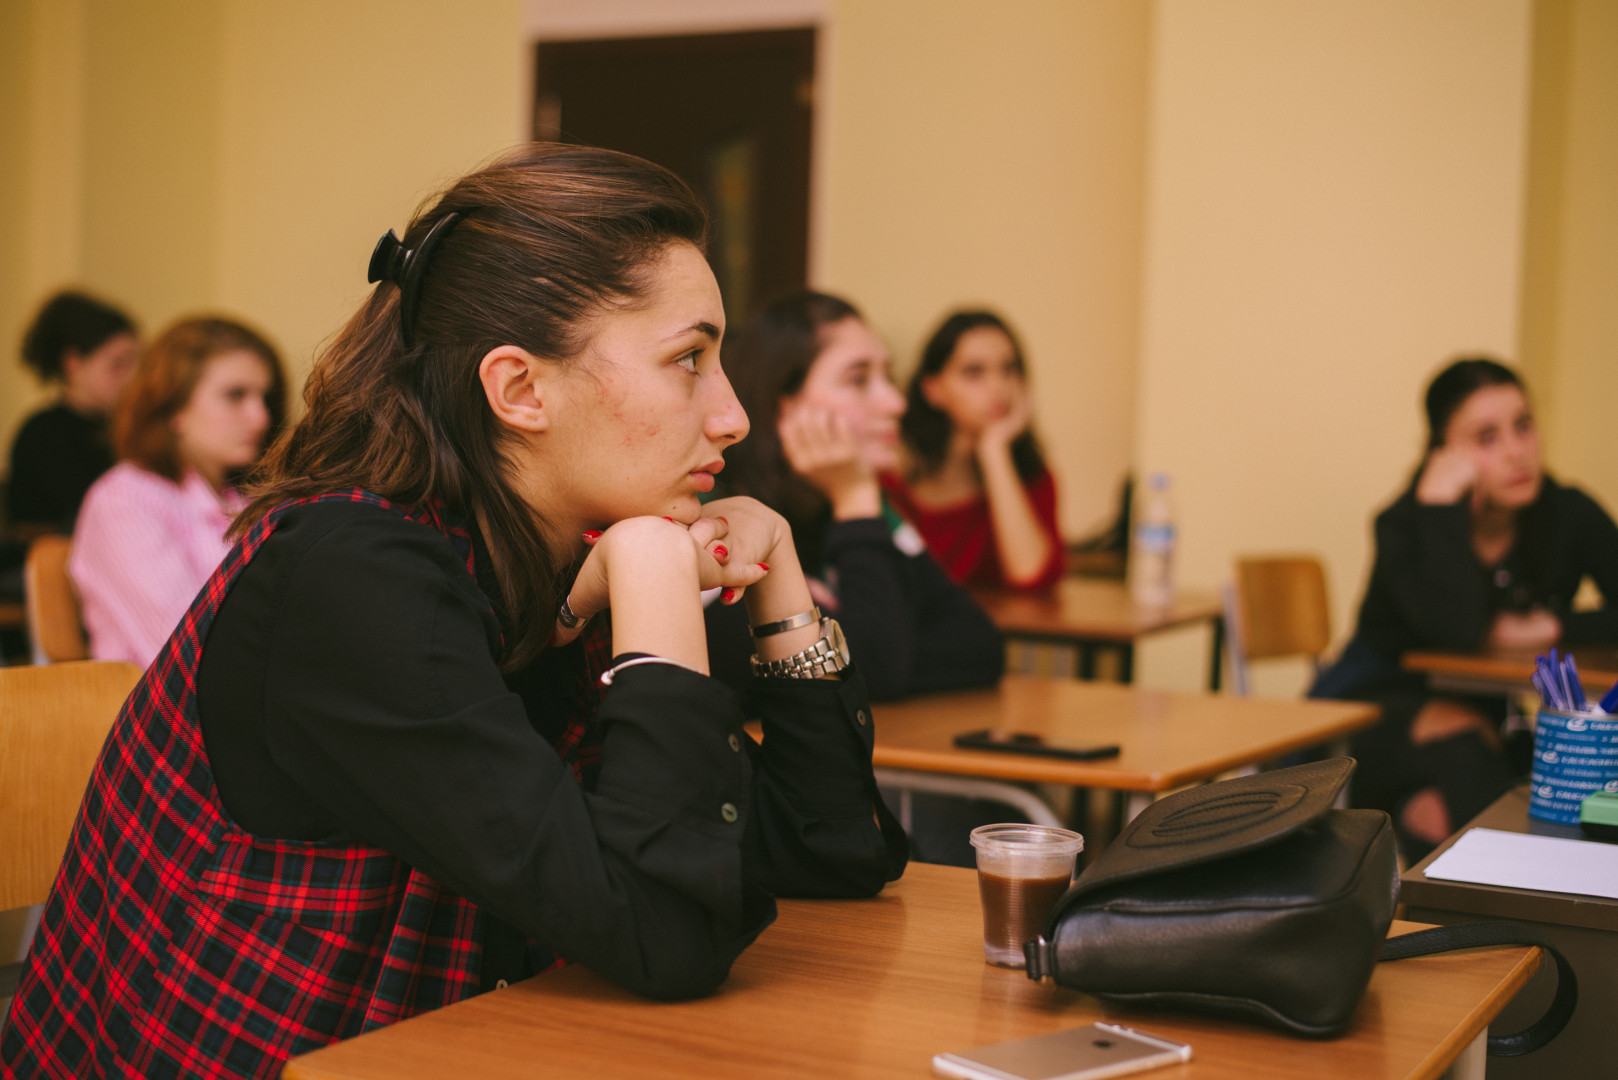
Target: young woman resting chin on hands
(1483, 550)
(383, 766)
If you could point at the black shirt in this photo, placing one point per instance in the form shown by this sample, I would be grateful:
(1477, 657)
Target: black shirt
(1429, 590)
(349, 689)
(910, 629)
(57, 456)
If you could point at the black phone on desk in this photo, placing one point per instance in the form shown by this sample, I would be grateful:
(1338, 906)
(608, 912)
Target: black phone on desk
(1022, 742)
(1086, 1053)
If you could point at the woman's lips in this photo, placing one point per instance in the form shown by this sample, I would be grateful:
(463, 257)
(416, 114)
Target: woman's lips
(703, 477)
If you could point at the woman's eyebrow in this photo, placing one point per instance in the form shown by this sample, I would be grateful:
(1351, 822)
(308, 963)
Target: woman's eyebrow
(707, 329)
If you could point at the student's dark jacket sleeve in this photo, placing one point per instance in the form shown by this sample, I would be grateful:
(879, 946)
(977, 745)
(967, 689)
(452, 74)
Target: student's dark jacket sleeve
(395, 717)
(1595, 539)
(910, 628)
(1426, 568)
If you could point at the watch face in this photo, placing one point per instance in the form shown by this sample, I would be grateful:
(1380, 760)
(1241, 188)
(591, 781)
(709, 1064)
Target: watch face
(833, 636)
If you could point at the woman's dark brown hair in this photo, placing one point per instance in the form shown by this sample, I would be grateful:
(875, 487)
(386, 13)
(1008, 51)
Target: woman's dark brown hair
(549, 236)
(70, 322)
(768, 360)
(926, 429)
(164, 380)
(1451, 387)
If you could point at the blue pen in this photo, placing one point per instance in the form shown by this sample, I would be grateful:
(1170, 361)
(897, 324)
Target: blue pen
(1546, 682)
(1609, 703)
(1539, 687)
(1575, 688)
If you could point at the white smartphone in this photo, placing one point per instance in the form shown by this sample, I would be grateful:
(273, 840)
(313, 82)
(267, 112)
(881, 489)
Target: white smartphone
(1087, 1053)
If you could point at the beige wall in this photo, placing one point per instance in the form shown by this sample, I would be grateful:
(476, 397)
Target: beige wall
(338, 119)
(1570, 293)
(190, 154)
(41, 147)
(1334, 207)
(994, 155)
(16, 75)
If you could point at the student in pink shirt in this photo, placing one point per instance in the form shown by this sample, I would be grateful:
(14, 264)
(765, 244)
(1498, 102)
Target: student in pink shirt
(195, 414)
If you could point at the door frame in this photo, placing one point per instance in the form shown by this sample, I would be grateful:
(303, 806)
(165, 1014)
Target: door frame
(568, 20)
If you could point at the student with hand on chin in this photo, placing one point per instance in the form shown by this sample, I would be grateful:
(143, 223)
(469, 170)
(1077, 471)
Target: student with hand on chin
(974, 481)
(1483, 550)
(818, 384)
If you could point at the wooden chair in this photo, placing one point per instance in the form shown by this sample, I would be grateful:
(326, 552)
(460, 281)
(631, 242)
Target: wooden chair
(53, 720)
(1276, 607)
(54, 624)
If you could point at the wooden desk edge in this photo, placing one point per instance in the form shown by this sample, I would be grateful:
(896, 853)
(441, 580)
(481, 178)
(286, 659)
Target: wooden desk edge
(1432, 1067)
(1031, 768)
(1437, 1063)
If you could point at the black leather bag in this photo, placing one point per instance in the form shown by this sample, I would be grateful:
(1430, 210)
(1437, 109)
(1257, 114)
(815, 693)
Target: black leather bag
(1254, 898)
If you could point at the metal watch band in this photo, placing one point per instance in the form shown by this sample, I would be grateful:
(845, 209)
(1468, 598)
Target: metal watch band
(827, 656)
(791, 622)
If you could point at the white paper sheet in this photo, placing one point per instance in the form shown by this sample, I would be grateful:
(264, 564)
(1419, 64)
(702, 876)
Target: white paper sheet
(1521, 861)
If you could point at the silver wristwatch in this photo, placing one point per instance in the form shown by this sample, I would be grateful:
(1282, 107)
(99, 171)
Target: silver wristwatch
(827, 656)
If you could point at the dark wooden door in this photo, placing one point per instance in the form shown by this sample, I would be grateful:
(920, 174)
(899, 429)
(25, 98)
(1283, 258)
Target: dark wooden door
(730, 113)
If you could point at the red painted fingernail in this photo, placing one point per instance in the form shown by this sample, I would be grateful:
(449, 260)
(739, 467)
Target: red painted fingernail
(764, 566)
(728, 595)
(720, 551)
(593, 534)
(667, 518)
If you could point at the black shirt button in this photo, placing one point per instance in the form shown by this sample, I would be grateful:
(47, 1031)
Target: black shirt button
(861, 717)
(735, 744)
(728, 812)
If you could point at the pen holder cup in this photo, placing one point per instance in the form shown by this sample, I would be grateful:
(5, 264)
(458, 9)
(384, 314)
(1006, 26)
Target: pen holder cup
(1574, 755)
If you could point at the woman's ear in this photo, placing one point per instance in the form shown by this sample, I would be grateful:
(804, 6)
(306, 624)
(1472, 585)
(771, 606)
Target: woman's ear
(929, 391)
(516, 384)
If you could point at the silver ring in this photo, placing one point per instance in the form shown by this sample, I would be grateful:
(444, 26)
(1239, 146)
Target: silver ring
(565, 616)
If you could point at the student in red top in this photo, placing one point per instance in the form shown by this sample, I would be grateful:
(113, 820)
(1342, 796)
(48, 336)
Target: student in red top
(976, 486)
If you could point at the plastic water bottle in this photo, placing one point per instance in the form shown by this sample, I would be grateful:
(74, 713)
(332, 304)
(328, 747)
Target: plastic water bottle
(1151, 559)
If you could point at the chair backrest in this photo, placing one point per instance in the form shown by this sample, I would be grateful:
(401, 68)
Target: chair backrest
(53, 721)
(54, 625)
(1277, 607)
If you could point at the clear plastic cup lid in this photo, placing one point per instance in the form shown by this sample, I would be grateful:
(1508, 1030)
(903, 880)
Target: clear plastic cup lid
(1034, 839)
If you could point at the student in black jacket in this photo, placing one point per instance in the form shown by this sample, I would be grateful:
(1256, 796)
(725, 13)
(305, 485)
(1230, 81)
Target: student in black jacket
(88, 349)
(1483, 550)
(817, 385)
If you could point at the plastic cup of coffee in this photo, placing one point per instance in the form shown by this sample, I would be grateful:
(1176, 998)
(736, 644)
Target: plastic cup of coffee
(1022, 871)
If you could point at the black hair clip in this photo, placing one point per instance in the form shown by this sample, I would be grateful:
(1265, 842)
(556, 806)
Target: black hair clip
(405, 267)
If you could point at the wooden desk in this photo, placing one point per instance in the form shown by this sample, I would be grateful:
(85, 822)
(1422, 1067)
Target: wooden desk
(873, 988)
(1100, 615)
(1504, 672)
(1585, 928)
(1167, 739)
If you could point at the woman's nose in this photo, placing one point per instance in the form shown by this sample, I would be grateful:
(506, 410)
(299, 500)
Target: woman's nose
(889, 401)
(257, 415)
(727, 420)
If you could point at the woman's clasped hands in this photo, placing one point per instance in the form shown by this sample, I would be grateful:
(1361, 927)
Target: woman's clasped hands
(730, 546)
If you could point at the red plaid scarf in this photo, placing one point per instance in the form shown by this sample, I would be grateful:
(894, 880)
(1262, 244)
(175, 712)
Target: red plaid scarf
(175, 944)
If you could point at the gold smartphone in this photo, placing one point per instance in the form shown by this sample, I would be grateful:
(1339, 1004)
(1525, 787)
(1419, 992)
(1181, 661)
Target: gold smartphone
(1087, 1053)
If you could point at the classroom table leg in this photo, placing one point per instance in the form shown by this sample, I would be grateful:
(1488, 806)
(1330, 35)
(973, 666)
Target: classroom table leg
(1216, 661)
(1087, 660)
(1126, 662)
(1132, 803)
(1472, 1062)
(1078, 811)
